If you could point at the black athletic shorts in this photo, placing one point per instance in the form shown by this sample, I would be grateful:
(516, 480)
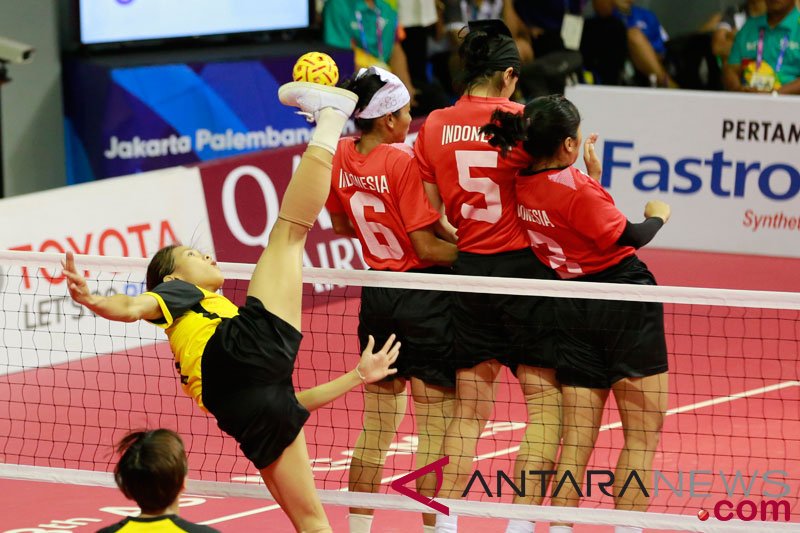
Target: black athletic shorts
(604, 341)
(247, 370)
(422, 322)
(512, 329)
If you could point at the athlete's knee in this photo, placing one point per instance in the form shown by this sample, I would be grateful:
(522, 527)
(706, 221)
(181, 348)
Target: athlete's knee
(543, 433)
(432, 421)
(383, 414)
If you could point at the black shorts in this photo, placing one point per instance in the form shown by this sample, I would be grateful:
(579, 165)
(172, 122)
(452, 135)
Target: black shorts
(247, 370)
(604, 341)
(422, 322)
(512, 329)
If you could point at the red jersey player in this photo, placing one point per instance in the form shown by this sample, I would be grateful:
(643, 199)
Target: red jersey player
(377, 196)
(575, 227)
(476, 186)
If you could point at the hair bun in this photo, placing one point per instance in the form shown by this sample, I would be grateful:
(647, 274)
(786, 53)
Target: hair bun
(476, 47)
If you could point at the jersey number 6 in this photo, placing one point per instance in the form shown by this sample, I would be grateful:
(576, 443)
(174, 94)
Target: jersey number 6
(370, 230)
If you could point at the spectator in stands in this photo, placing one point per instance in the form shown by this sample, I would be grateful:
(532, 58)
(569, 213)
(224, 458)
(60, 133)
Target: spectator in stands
(551, 30)
(646, 39)
(604, 45)
(419, 18)
(765, 56)
(725, 26)
(454, 16)
(152, 471)
(540, 22)
(371, 29)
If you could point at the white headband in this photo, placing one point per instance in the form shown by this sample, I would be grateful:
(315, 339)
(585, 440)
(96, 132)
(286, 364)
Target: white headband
(392, 97)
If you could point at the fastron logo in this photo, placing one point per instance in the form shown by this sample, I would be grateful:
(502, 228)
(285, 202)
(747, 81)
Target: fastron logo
(718, 173)
(438, 467)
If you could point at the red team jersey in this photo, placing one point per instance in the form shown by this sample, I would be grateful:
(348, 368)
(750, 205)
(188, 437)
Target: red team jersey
(382, 195)
(571, 221)
(475, 182)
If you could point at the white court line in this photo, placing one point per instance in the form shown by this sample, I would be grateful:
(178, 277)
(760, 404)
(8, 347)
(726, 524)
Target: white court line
(240, 515)
(606, 427)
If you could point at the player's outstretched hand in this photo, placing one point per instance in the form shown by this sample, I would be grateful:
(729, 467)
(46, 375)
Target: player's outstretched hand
(374, 366)
(76, 284)
(593, 166)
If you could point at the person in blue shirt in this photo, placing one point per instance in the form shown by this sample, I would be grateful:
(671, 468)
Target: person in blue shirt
(766, 52)
(647, 39)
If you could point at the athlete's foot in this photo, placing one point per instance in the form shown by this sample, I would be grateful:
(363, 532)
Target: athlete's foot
(313, 97)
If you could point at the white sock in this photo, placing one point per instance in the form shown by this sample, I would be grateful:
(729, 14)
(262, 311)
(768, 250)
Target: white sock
(627, 529)
(560, 529)
(428, 529)
(330, 123)
(359, 523)
(520, 526)
(446, 524)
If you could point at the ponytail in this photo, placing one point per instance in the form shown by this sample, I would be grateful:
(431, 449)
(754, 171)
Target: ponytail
(506, 130)
(541, 129)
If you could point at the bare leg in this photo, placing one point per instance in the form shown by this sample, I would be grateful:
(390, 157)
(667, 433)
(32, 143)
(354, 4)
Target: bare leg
(291, 482)
(539, 448)
(277, 280)
(582, 412)
(278, 277)
(475, 391)
(381, 418)
(642, 404)
(434, 411)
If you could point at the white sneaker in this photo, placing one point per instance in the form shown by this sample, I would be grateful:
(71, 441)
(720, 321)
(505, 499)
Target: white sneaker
(312, 97)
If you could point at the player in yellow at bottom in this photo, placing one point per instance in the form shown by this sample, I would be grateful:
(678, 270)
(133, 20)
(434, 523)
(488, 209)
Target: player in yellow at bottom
(152, 472)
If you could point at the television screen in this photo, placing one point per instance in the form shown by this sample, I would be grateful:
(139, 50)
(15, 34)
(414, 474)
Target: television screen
(111, 21)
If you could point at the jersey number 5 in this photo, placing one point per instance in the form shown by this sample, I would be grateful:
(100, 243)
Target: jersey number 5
(370, 230)
(489, 190)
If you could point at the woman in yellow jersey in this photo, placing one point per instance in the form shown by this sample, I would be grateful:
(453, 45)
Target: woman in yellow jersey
(152, 472)
(237, 363)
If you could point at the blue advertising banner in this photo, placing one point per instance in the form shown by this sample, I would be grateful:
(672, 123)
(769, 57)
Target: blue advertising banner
(124, 120)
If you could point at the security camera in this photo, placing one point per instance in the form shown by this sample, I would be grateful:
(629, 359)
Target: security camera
(15, 51)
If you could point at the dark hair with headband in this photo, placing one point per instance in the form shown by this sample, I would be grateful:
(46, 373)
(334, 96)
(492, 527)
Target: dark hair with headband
(488, 48)
(542, 127)
(365, 88)
(152, 469)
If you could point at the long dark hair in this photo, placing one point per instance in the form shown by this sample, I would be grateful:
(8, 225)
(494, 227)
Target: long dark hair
(162, 264)
(152, 468)
(365, 87)
(541, 128)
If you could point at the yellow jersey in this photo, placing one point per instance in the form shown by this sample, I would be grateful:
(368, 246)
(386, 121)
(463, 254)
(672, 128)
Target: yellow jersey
(191, 316)
(158, 524)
